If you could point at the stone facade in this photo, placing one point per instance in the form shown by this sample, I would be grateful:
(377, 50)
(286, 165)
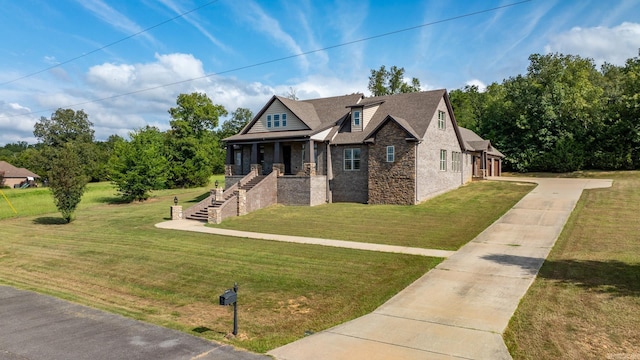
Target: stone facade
(176, 212)
(392, 182)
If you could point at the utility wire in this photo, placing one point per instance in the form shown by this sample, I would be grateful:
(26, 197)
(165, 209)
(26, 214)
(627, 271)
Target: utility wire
(110, 44)
(280, 59)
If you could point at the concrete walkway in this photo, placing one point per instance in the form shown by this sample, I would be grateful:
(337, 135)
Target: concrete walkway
(197, 226)
(461, 308)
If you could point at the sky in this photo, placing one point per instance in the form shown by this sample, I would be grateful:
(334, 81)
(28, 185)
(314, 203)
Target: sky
(124, 62)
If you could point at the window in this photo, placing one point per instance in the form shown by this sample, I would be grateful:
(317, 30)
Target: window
(391, 153)
(441, 119)
(456, 161)
(276, 120)
(443, 160)
(352, 159)
(356, 118)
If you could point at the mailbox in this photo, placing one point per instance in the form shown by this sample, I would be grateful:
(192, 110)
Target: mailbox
(228, 298)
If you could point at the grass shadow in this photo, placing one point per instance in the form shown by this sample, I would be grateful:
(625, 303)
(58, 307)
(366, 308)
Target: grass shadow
(201, 329)
(199, 198)
(50, 221)
(613, 277)
(112, 200)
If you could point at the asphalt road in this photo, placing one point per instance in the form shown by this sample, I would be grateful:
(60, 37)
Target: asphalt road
(40, 327)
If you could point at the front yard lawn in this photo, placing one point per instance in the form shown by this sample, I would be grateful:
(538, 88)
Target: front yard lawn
(445, 222)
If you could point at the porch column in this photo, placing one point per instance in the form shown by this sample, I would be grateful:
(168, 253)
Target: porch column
(229, 150)
(278, 165)
(255, 166)
(309, 161)
(254, 153)
(329, 174)
(228, 162)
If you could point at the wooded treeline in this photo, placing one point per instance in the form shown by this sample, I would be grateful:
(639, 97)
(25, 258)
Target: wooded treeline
(562, 115)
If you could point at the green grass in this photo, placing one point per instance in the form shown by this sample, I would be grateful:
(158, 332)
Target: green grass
(445, 222)
(37, 201)
(585, 303)
(112, 257)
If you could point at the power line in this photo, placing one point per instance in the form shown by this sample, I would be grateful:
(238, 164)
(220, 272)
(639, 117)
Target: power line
(279, 59)
(110, 44)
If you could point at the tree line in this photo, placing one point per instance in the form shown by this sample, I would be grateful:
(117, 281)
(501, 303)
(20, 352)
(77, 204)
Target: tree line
(563, 115)
(67, 156)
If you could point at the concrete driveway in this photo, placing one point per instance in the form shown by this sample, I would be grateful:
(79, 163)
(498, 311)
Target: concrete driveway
(40, 327)
(461, 308)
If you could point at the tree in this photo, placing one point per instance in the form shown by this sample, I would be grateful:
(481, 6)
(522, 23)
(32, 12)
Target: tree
(291, 94)
(388, 82)
(139, 166)
(192, 147)
(67, 139)
(239, 119)
(65, 125)
(195, 114)
(468, 106)
(67, 181)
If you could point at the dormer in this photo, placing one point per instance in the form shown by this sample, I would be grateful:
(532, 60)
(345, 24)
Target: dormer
(362, 113)
(356, 119)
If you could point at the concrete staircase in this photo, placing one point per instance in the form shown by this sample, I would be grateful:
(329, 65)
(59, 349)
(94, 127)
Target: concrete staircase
(203, 213)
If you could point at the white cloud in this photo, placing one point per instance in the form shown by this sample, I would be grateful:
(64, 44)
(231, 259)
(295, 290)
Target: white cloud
(613, 45)
(16, 123)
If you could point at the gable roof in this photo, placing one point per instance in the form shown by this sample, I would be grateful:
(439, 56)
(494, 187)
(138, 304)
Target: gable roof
(404, 125)
(318, 114)
(11, 171)
(411, 111)
(474, 142)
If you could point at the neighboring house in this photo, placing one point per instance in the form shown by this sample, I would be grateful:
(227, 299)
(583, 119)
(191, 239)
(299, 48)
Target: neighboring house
(396, 149)
(487, 160)
(12, 176)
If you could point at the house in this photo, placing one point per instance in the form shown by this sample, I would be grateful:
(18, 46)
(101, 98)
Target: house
(396, 149)
(487, 160)
(12, 176)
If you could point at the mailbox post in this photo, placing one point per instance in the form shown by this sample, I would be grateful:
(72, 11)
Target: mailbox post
(230, 296)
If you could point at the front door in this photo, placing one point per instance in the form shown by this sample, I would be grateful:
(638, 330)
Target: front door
(286, 157)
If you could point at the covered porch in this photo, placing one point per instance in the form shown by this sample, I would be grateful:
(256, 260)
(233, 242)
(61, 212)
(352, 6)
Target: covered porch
(301, 166)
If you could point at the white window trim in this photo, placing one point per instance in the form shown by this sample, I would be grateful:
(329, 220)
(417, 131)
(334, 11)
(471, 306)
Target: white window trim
(276, 124)
(351, 160)
(391, 156)
(271, 120)
(442, 120)
(354, 117)
(443, 160)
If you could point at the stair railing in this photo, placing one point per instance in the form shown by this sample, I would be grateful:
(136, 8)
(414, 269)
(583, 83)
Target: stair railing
(205, 203)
